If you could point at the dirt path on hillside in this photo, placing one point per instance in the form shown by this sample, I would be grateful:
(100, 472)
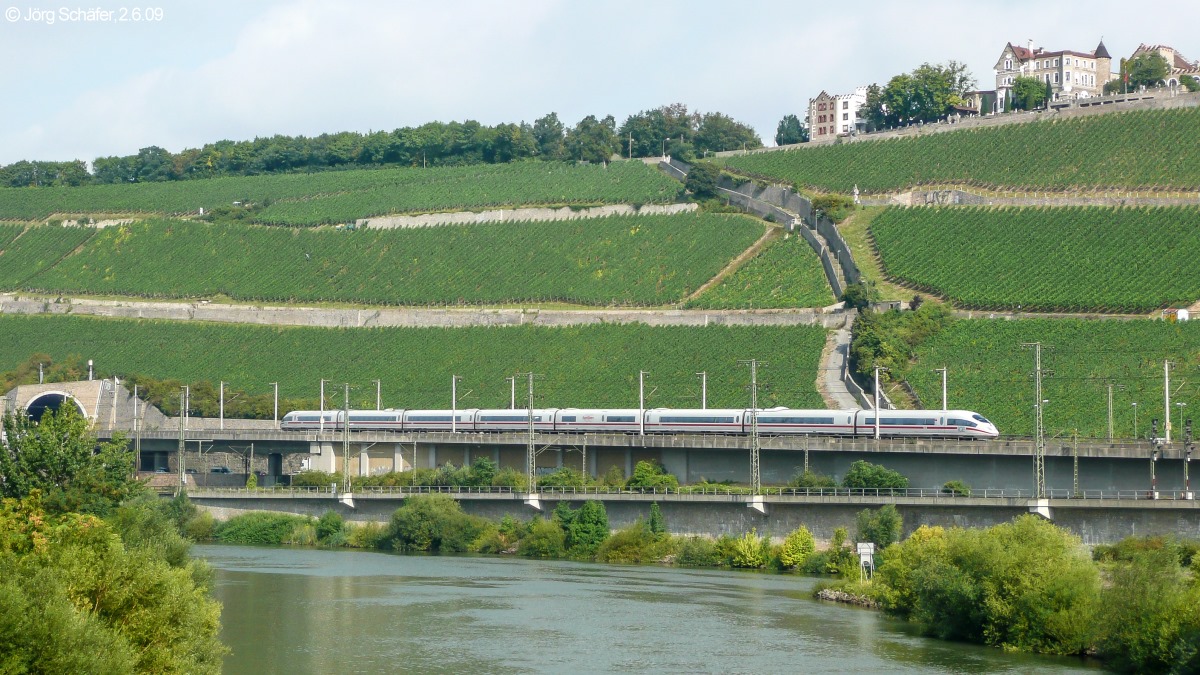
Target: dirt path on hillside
(771, 234)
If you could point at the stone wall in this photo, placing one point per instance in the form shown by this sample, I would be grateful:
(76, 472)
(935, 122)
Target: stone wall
(354, 318)
(521, 215)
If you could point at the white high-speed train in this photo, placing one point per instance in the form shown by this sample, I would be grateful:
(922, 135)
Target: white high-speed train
(771, 421)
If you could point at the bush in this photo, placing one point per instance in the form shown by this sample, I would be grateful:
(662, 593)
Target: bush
(797, 547)
(812, 479)
(835, 206)
(957, 488)
(632, 544)
(318, 479)
(252, 481)
(697, 552)
(588, 529)
(863, 474)
(881, 527)
(1150, 616)
(1025, 586)
(648, 475)
(545, 539)
(510, 478)
(259, 527)
(366, 535)
(302, 534)
(433, 522)
(614, 477)
(563, 477)
(657, 524)
(329, 524)
(750, 551)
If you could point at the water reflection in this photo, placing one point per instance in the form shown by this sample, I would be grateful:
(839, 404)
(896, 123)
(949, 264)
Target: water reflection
(305, 611)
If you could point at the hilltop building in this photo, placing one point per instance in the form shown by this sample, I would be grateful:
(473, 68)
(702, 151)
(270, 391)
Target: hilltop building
(1071, 74)
(831, 115)
(1177, 63)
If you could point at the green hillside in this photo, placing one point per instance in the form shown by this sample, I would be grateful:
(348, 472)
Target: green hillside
(1045, 259)
(630, 260)
(1150, 149)
(991, 373)
(576, 366)
(787, 273)
(335, 196)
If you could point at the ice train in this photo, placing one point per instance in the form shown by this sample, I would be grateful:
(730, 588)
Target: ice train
(771, 421)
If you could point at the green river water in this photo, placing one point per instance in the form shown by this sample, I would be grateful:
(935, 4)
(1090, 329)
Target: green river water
(298, 611)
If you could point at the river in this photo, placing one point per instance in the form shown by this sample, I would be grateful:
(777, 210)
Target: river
(296, 611)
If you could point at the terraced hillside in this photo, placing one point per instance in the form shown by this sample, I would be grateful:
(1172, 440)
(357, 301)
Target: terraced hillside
(631, 260)
(340, 196)
(1144, 149)
(786, 274)
(583, 366)
(1045, 259)
(991, 373)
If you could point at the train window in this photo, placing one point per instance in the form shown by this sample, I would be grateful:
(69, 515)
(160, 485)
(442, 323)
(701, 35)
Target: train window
(619, 418)
(795, 420)
(307, 418)
(695, 420)
(981, 418)
(429, 418)
(506, 418)
(568, 418)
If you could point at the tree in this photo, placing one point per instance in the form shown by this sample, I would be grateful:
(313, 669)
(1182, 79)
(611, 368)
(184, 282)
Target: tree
(717, 132)
(798, 545)
(790, 131)
(61, 458)
(881, 527)
(651, 475)
(549, 134)
(1148, 69)
(1190, 83)
(926, 94)
(1028, 93)
(702, 180)
(593, 140)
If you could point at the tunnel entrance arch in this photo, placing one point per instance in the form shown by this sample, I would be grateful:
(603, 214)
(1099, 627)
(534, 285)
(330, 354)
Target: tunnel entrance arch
(51, 400)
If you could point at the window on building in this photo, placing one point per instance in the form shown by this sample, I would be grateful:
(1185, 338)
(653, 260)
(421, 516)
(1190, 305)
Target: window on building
(1055, 62)
(1056, 78)
(1008, 64)
(845, 116)
(845, 105)
(845, 127)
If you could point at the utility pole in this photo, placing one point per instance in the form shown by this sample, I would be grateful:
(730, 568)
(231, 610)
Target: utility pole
(1187, 458)
(221, 398)
(631, 145)
(275, 417)
(321, 423)
(703, 389)
(755, 473)
(179, 451)
(454, 402)
(346, 439)
(1135, 420)
(1075, 462)
(531, 448)
(1167, 400)
(1039, 453)
(40, 373)
(642, 402)
(1110, 422)
(378, 394)
(512, 396)
(877, 370)
(943, 370)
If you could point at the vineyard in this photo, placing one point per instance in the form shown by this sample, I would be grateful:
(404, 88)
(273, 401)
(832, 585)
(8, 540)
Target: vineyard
(582, 366)
(627, 260)
(991, 373)
(25, 253)
(785, 274)
(335, 196)
(1045, 259)
(1150, 149)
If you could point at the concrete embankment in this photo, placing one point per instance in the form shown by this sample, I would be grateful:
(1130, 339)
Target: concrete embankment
(523, 215)
(412, 317)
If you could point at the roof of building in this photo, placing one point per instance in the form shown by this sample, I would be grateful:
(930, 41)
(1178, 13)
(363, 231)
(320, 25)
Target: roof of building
(1179, 62)
(1102, 52)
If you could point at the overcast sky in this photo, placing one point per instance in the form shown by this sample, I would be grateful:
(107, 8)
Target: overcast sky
(215, 69)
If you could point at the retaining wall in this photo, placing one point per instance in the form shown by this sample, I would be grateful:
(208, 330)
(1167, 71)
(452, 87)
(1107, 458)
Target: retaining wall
(356, 318)
(521, 215)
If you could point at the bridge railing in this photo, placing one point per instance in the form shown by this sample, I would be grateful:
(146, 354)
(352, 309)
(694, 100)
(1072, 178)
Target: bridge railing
(601, 491)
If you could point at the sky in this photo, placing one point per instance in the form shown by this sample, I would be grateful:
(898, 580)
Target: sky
(80, 85)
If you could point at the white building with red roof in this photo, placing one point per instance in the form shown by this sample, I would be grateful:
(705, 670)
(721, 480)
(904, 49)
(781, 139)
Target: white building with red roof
(1178, 63)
